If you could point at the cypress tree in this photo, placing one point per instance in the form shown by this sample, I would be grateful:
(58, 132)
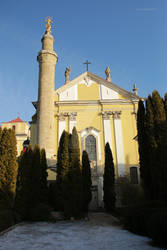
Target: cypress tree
(160, 133)
(44, 175)
(152, 145)
(150, 123)
(36, 176)
(32, 192)
(62, 169)
(158, 107)
(161, 165)
(86, 180)
(72, 186)
(8, 167)
(165, 104)
(143, 147)
(159, 115)
(0, 132)
(63, 156)
(141, 132)
(109, 180)
(70, 146)
(155, 129)
(23, 187)
(75, 151)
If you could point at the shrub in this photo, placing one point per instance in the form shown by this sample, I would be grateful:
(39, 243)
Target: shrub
(139, 219)
(153, 204)
(41, 212)
(135, 218)
(52, 195)
(157, 226)
(6, 219)
(127, 193)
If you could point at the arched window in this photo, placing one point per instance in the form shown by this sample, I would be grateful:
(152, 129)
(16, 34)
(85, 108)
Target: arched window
(90, 145)
(134, 175)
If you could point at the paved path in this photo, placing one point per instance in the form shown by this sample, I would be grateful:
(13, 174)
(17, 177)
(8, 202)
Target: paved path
(101, 232)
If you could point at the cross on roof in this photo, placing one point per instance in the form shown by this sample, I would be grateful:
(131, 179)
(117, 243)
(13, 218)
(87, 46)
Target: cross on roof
(87, 63)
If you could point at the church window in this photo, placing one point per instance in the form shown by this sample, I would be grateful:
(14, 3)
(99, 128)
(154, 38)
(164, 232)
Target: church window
(134, 175)
(91, 147)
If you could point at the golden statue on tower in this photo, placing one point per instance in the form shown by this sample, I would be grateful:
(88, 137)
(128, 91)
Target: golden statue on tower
(48, 24)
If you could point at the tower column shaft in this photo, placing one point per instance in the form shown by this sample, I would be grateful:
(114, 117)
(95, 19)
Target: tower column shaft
(47, 59)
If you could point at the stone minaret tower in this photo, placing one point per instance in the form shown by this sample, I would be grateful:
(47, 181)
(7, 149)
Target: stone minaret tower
(47, 59)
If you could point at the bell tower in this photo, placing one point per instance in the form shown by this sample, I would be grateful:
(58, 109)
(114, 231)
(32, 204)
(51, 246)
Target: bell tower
(47, 59)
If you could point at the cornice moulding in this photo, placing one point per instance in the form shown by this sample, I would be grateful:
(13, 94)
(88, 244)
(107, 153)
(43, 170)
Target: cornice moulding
(93, 102)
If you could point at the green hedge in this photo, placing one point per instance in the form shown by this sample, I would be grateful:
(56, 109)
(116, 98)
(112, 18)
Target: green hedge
(6, 219)
(148, 218)
(137, 222)
(41, 212)
(135, 218)
(157, 226)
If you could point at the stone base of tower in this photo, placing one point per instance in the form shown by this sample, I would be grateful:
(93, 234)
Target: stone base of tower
(51, 170)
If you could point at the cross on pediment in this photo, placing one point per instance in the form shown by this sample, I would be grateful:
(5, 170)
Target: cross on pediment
(87, 63)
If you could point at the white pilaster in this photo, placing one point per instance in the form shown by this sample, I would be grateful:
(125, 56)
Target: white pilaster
(119, 143)
(72, 121)
(62, 124)
(107, 128)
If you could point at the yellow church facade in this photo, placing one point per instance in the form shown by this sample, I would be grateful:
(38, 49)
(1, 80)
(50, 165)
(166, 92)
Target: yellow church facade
(100, 110)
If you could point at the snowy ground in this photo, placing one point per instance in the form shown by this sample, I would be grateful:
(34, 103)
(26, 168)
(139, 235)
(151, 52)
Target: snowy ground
(101, 232)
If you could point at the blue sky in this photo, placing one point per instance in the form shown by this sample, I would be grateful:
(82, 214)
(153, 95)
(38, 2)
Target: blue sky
(128, 36)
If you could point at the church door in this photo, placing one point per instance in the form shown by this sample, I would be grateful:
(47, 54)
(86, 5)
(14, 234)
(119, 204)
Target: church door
(90, 146)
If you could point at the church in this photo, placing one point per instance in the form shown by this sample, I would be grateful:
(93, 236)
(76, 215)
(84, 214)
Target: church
(100, 110)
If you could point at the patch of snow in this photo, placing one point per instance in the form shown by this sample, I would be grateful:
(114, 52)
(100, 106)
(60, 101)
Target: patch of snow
(101, 232)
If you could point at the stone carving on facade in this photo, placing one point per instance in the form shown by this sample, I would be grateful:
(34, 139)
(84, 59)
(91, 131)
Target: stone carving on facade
(67, 74)
(93, 167)
(107, 72)
(89, 130)
(135, 114)
(117, 114)
(87, 81)
(72, 116)
(62, 116)
(106, 115)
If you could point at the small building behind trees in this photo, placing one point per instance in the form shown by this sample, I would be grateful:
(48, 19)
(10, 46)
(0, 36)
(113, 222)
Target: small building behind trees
(22, 131)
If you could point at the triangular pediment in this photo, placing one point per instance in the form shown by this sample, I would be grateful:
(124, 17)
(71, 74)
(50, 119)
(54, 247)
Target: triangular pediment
(94, 87)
